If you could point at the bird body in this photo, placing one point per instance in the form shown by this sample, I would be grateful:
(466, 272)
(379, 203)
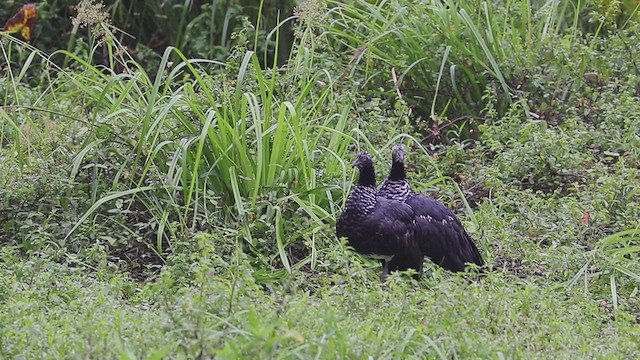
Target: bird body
(439, 234)
(378, 227)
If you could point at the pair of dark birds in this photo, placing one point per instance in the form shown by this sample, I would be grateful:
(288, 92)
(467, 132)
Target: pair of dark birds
(400, 227)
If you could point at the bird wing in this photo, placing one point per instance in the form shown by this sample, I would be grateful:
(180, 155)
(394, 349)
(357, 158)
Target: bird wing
(441, 236)
(388, 230)
(397, 224)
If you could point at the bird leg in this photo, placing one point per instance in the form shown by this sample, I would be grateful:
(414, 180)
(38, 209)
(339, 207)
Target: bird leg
(385, 270)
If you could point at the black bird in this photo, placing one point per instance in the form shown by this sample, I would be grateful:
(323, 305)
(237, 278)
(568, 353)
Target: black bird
(439, 233)
(377, 227)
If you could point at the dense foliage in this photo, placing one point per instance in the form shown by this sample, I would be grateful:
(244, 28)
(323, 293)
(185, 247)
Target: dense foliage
(180, 200)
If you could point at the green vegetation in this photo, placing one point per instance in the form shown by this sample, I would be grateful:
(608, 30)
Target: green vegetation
(185, 207)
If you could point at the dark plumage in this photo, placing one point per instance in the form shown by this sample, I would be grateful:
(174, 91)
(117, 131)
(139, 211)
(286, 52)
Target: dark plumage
(377, 227)
(439, 233)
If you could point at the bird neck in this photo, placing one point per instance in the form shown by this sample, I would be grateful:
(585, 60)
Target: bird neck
(397, 171)
(367, 177)
(362, 200)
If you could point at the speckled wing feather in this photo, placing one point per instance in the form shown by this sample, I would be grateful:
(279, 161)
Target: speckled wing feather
(441, 236)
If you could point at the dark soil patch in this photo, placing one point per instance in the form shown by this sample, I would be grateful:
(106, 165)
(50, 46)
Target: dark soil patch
(518, 267)
(476, 194)
(140, 260)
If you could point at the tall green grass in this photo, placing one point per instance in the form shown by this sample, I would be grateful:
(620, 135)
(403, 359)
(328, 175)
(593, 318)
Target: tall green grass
(448, 52)
(621, 249)
(208, 143)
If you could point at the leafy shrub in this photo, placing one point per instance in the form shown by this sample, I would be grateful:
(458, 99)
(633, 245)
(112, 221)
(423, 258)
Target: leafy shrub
(528, 151)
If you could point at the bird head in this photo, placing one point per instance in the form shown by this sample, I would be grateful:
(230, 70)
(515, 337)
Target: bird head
(363, 159)
(397, 153)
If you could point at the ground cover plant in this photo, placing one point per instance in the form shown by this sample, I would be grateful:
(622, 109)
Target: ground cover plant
(186, 209)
